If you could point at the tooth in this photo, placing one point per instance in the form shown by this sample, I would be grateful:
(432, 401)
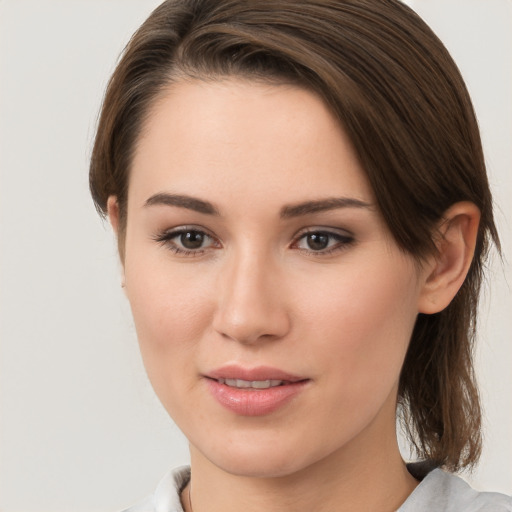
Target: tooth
(246, 384)
(260, 384)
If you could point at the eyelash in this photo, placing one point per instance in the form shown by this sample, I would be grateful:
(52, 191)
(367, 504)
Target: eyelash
(166, 238)
(342, 241)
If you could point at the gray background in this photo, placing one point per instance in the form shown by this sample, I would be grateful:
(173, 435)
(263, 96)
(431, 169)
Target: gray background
(80, 429)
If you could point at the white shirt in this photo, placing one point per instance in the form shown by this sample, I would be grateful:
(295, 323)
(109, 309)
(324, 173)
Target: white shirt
(439, 491)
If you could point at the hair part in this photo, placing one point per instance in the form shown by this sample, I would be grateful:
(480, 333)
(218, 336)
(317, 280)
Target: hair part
(403, 104)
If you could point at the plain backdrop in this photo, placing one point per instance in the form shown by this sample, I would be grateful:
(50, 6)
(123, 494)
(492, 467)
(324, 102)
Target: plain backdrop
(80, 428)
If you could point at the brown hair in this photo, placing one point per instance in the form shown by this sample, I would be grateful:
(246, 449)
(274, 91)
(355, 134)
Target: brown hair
(400, 99)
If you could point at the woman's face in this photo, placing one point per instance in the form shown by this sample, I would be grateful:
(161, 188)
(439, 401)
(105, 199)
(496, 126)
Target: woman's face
(272, 306)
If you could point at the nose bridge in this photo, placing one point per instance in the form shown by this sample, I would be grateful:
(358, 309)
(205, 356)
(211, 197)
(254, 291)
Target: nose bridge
(251, 304)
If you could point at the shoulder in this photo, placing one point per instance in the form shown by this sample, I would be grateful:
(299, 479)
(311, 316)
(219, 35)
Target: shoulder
(167, 494)
(442, 491)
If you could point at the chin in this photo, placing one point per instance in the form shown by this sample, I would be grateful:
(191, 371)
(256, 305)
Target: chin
(260, 458)
(258, 467)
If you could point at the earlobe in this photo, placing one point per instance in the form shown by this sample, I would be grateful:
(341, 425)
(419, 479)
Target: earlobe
(446, 270)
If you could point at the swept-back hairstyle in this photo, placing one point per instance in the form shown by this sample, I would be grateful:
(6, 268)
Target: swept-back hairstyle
(403, 104)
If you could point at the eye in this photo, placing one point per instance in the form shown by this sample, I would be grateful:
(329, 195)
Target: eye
(323, 242)
(187, 240)
(191, 240)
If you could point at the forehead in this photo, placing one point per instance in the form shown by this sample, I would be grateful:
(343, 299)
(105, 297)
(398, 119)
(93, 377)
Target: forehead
(234, 137)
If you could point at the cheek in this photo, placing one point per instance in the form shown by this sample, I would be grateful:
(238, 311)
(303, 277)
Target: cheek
(170, 311)
(362, 323)
(169, 324)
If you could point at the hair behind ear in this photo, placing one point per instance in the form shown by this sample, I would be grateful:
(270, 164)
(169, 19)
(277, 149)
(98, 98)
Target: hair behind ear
(438, 394)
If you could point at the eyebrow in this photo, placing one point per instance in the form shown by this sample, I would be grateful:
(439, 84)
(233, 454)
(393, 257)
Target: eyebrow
(289, 211)
(183, 201)
(333, 203)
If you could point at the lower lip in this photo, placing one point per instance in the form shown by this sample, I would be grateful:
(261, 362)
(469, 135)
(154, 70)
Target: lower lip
(254, 402)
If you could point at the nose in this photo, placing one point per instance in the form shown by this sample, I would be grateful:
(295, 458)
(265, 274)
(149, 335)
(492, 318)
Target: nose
(251, 300)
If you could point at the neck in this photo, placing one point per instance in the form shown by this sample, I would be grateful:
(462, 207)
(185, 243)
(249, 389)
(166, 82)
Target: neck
(344, 481)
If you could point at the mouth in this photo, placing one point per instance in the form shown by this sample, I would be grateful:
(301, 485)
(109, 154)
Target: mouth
(254, 392)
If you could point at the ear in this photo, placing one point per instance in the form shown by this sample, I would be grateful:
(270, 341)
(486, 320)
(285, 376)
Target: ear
(113, 217)
(446, 270)
(113, 213)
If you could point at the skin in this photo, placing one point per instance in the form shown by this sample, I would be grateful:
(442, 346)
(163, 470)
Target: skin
(258, 291)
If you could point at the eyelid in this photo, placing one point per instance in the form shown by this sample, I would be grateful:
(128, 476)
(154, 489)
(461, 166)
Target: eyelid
(176, 230)
(323, 229)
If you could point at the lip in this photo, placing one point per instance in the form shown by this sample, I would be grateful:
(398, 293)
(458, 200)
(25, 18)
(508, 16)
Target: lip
(257, 373)
(254, 402)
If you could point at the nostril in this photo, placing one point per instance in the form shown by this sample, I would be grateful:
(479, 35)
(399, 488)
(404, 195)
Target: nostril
(254, 328)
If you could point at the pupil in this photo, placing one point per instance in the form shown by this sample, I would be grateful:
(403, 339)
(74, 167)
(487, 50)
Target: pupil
(192, 239)
(318, 241)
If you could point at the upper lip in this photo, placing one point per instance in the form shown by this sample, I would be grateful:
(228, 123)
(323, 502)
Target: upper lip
(258, 373)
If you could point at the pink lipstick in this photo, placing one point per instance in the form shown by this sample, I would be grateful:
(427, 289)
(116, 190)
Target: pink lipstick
(253, 392)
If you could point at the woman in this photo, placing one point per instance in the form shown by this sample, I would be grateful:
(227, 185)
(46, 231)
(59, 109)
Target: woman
(302, 212)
